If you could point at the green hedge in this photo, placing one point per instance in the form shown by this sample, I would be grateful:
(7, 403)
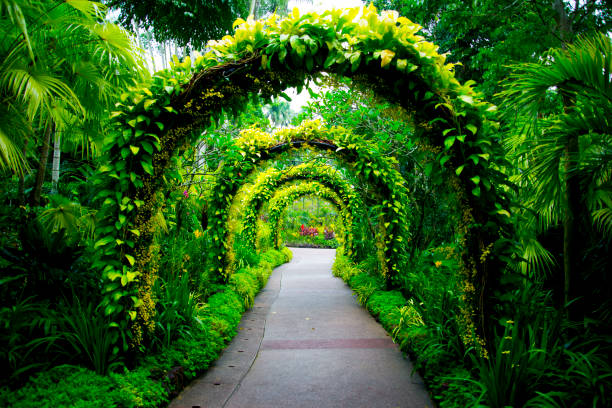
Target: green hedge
(161, 376)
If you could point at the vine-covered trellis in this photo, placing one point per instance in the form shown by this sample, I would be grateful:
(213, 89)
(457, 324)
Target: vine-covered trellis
(154, 122)
(287, 195)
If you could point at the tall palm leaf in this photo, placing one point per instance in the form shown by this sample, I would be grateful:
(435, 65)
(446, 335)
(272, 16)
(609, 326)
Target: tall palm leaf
(563, 107)
(60, 60)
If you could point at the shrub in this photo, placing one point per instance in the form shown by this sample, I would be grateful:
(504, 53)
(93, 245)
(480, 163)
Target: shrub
(70, 386)
(161, 375)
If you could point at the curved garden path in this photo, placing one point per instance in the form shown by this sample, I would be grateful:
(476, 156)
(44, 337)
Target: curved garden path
(308, 343)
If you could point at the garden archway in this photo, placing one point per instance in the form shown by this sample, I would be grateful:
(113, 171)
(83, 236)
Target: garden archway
(254, 146)
(263, 58)
(286, 196)
(272, 179)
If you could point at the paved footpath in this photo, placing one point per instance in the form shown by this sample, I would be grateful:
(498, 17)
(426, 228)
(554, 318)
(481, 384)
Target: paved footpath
(308, 343)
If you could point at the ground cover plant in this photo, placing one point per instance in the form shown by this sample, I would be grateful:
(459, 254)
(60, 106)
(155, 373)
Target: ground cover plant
(141, 212)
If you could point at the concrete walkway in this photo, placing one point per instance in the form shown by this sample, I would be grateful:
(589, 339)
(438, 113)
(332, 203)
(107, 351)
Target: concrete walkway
(308, 343)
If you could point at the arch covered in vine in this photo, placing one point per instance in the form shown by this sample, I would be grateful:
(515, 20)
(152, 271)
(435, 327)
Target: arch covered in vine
(287, 195)
(262, 58)
(254, 146)
(269, 181)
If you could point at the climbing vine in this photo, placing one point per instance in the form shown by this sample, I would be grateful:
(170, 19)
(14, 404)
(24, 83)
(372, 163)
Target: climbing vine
(269, 181)
(370, 165)
(157, 120)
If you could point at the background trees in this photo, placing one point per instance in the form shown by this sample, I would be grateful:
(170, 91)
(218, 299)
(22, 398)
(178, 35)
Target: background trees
(487, 36)
(191, 23)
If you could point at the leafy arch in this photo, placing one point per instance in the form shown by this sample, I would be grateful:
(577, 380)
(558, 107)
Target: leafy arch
(255, 146)
(270, 181)
(287, 195)
(384, 52)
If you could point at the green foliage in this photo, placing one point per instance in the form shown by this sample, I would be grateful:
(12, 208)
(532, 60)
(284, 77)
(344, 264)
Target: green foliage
(155, 120)
(88, 335)
(264, 239)
(271, 180)
(79, 387)
(192, 350)
(285, 196)
(23, 323)
(369, 164)
(68, 87)
(176, 20)
(485, 38)
(176, 309)
(246, 285)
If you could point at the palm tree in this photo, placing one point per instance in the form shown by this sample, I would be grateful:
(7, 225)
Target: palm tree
(279, 112)
(62, 65)
(562, 107)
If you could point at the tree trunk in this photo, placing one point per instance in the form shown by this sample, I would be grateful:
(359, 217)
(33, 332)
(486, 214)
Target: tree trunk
(253, 8)
(42, 166)
(571, 243)
(571, 240)
(57, 152)
(21, 187)
(563, 21)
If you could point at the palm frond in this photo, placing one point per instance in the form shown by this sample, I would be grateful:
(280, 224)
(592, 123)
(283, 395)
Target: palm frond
(36, 89)
(63, 214)
(537, 259)
(11, 157)
(603, 220)
(12, 132)
(16, 16)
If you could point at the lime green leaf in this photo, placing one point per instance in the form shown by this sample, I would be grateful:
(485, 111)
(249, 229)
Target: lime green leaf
(449, 142)
(385, 57)
(148, 103)
(103, 241)
(130, 259)
(134, 149)
(467, 99)
(238, 22)
(109, 310)
(146, 166)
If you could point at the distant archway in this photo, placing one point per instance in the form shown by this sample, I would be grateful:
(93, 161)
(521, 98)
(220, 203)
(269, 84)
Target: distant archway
(285, 196)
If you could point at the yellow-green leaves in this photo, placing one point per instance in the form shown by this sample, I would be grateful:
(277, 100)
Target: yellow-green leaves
(385, 57)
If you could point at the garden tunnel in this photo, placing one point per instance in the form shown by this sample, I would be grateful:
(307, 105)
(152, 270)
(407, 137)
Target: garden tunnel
(255, 146)
(269, 181)
(286, 196)
(383, 52)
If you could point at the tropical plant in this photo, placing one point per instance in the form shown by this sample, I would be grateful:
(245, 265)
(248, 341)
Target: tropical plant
(279, 112)
(89, 336)
(61, 65)
(485, 37)
(176, 309)
(563, 148)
